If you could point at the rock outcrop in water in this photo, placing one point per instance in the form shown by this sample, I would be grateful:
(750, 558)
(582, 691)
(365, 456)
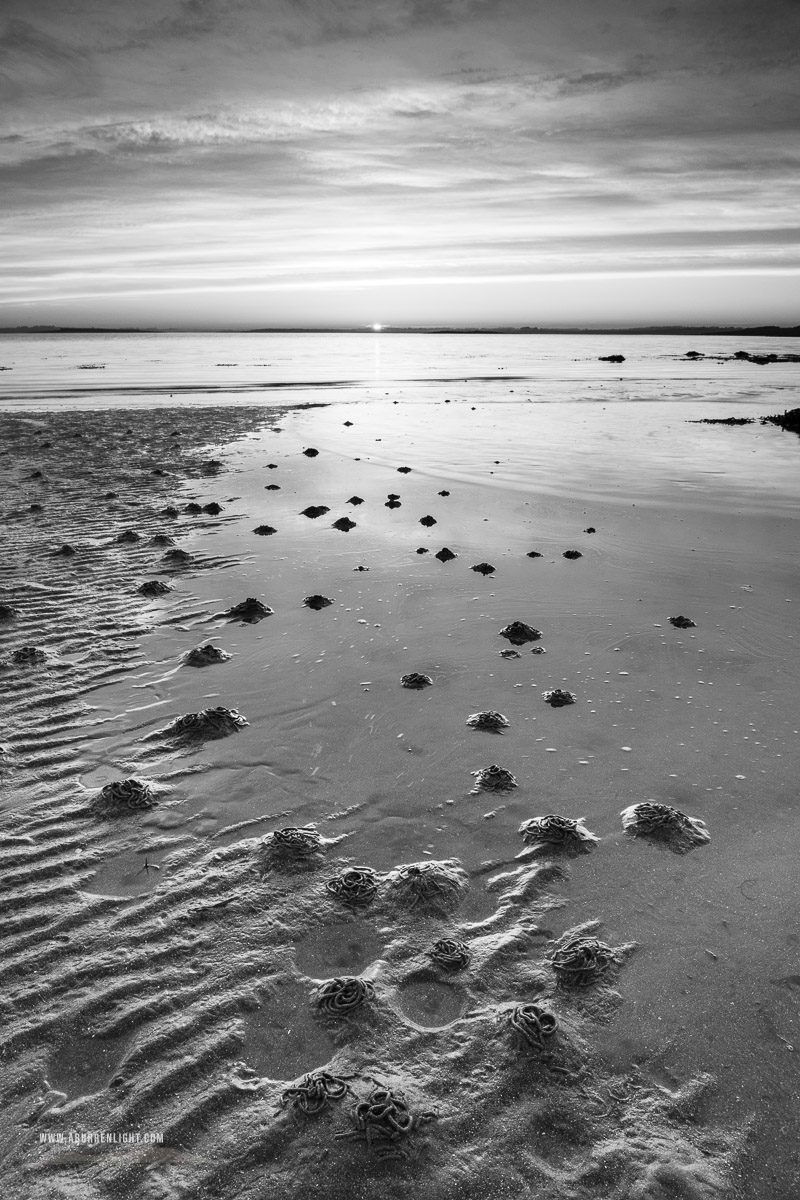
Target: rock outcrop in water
(208, 723)
(493, 722)
(206, 656)
(518, 633)
(317, 602)
(415, 679)
(153, 587)
(250, 610)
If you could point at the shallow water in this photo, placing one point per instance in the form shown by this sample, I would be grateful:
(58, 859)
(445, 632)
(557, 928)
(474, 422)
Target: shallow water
(691, 519)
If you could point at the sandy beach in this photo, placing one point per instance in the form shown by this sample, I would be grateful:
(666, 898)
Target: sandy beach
(609, 1018)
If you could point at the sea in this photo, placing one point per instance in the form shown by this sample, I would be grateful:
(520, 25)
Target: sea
(616, 429)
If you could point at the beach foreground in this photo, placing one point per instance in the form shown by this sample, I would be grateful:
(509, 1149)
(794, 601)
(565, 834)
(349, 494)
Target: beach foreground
(168, 958)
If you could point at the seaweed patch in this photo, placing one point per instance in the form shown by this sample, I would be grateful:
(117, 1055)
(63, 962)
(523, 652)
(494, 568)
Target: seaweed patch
(534, 1023)
(450, 954)
(555, 830)
(493, 722)
(354, 885)
(340, 996)
(493, 779)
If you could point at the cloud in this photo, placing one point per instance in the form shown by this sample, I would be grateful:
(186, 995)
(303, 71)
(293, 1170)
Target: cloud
(31, 63)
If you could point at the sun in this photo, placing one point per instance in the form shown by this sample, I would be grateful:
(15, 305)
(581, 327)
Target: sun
(377, 327)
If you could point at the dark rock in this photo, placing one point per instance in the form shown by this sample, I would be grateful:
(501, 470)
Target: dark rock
(66, 551)
(272, 466)
(611, 358)
(162, 539)
(348, 422)
(264, 530)
(445, 554)
(534, 554)
(572, 554)
(272, 487)
(427, 521)
(724, 421)
(518, 633)
(682, 622)
(444, 493)
(344, 523)
(788, 420)
(590, 529)
(128, 537)
(250, 610)
(153, 587)
(311, 452)
(209, 723)
(404, 470)
(483, 568)
(213, 509)
(315, 510)
(206, 656)
(355, 500)
(392, 504)
(693, 354)
(423, 550)
(193, 508)
(317, 602)
(415, 680)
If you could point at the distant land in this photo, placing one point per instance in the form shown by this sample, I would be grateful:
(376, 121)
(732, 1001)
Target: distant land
(664, 330)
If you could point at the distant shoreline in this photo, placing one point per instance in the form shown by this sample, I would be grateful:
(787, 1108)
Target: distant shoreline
(651, 330)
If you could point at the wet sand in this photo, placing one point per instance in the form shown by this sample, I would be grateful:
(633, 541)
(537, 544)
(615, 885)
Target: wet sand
(160, 972)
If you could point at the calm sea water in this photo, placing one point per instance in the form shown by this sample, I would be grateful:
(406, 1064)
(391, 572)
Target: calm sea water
(576, 424)
(105, 369)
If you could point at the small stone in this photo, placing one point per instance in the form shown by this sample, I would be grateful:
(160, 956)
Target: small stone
(682, 622)
(416, 680)
(315, 510)
(558, 697)
(344, 523)
(483, 568)
(445, 555)
(311, 452)
(572, 554)
(317, 602)
(264, 530)
(518, 633)
(250, 610)
(153, 587)
(205, 656)
(427, 521)
(213, 509)
(493, 722)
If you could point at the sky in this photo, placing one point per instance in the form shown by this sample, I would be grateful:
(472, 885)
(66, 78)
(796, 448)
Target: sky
(251, 163)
